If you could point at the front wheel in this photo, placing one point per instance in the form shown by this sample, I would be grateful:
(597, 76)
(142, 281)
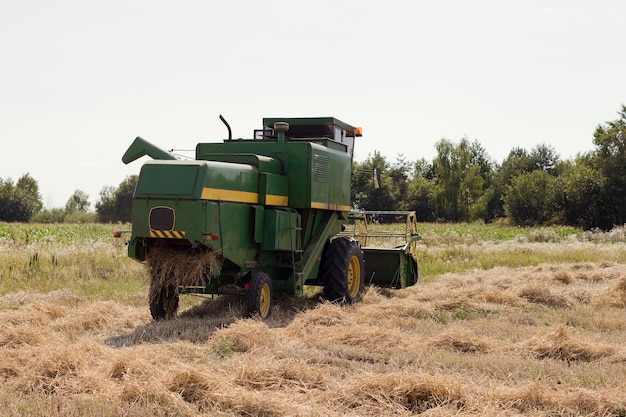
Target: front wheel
(260, 295)
(343, 270)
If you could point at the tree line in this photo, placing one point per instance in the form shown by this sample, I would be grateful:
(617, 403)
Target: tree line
(21, 202)
(461, 184)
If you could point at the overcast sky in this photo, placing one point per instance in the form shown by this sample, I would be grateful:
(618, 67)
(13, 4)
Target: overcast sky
(79, 80)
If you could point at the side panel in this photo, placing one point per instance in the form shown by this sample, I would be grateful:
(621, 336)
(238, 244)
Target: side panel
(236, 231)
(259, 214)
(280, 230)
(341, 181)
(317, 176)
(226, 181)
(167, 179)
(273, 190)
(331, 175)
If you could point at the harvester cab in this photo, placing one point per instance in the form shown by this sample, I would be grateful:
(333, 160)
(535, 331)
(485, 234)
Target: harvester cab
(251, 217)
(326, 128)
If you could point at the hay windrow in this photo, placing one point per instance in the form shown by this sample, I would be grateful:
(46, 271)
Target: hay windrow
(559, 343)
(416, 393)
(541, 294)
(192, 386)
(462, 340)
(243, 336)
(536, 398)
(172, 268)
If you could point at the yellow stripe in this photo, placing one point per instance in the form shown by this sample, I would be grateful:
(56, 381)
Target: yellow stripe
(276, 200)
(170, 234)
(229, 195)
(328, 206)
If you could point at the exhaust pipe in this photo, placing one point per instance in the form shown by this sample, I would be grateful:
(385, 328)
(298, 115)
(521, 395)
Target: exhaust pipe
(230, 133)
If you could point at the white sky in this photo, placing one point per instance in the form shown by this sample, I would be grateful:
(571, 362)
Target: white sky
(79, 80)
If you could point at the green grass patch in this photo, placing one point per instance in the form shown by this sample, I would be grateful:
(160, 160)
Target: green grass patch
(63, 233)
(89, 260)
(83, 257)
(446, 248)
(97, 272)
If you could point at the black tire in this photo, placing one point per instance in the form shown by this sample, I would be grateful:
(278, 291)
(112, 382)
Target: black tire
(260, 296)
(163, 303)
(343, 271)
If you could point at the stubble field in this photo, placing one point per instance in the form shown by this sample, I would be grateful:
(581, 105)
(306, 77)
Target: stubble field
(513, 323)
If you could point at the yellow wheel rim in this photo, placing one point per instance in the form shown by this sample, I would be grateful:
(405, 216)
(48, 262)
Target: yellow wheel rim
(354, 276)
(265, 300)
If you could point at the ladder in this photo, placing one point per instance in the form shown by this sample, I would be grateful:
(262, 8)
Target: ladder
(296, 253)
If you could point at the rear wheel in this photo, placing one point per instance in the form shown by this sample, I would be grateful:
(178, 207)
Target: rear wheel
(260, 296)
(163, 303)
(343, 270)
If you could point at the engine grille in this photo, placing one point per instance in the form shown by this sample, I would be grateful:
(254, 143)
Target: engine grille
(320, 168)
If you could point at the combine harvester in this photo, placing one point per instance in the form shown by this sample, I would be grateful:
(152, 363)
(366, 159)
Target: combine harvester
(258, 216)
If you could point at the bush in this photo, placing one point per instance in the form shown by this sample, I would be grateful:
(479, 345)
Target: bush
(116, 203)
(81, 217)
(19, 202)
(55, 215)
(531, 199)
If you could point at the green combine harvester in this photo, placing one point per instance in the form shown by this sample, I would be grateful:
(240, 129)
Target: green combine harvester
(257, 216)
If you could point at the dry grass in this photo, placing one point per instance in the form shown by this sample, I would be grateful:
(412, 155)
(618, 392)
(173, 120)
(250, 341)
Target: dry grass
(542, 340)
(558, 343)
(173, 267)
(168, 267)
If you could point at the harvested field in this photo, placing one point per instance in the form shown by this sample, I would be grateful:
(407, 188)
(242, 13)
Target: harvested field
(537, 340)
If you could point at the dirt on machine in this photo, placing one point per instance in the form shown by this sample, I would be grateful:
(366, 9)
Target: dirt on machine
(258, 216)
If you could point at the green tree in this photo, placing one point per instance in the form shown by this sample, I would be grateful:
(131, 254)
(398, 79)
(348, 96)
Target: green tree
(610, 159)
(582, 195)
(458, 181)
(78, 202)
(115, 204)
(423, 168)
(420, 198)
(482, 208)
(480, 157)
(105, 207)
(398, 175)
(519, 161)
(545, 158)
(365, 194)
(21, 201)
(531, 199)
(420, 191)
